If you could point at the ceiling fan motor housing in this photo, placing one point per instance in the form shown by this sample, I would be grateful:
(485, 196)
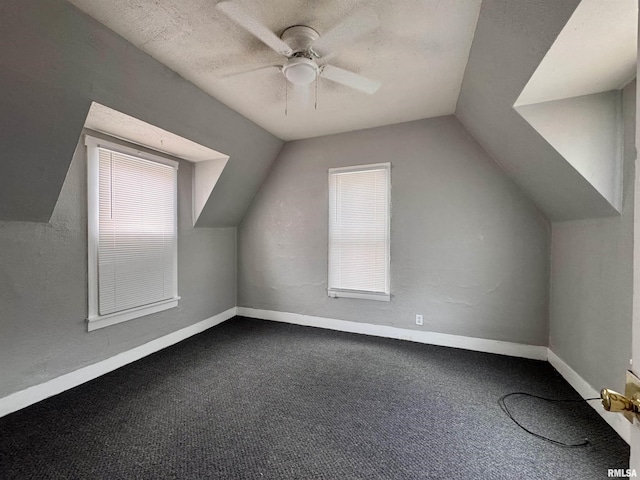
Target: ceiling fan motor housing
(300, 68)
(300, 38)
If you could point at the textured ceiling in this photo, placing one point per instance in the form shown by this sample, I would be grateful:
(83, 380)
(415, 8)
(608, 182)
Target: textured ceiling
(595, 52)
(419, 53)
(117, 124)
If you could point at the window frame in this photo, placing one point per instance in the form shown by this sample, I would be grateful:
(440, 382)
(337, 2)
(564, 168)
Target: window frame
(94, 319)
(361, 294)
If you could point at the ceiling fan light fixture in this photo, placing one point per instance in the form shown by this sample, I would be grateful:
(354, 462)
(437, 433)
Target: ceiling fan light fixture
(300, 70)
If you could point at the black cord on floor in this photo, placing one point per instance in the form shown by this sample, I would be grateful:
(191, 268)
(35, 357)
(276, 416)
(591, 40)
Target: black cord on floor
(505, 409)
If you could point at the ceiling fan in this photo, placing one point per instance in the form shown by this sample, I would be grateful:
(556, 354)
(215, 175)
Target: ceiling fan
(306, 51)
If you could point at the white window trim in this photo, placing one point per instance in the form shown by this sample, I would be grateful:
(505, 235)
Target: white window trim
(94, 319)
(343, 293)
(363, 294)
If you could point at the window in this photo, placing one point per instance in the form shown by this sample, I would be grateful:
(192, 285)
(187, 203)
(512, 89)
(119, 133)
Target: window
(132, 233)
(359, 219)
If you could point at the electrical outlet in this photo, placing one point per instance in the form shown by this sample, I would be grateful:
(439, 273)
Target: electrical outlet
(419, 319)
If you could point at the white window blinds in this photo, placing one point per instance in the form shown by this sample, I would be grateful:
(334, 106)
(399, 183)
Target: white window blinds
(132, 242)
(137, 232)
(359, 219)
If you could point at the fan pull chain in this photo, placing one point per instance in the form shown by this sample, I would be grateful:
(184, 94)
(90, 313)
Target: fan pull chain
(286, 97)
(316, 105)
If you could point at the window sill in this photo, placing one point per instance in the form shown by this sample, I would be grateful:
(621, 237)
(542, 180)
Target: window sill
(101, 321)
(380, 297)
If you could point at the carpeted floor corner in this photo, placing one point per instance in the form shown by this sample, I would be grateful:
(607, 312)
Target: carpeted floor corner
(252, 399)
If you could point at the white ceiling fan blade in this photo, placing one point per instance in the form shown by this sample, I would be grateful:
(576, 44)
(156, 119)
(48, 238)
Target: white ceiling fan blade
(350, 79)
(356, 25)
(244, 19)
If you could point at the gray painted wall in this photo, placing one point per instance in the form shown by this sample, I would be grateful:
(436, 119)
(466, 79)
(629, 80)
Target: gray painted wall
(43, 299)
(468, 250)
(592, 282)
(512, 37)
(587, 132)
(54, 61)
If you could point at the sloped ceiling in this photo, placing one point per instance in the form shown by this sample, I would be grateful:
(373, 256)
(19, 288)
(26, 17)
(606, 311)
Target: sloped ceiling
(574, 98)
(55, 61)
(418, 52)
(587, 132)
(116, 124)
(595, 52)
(512, 39)
(209, 164)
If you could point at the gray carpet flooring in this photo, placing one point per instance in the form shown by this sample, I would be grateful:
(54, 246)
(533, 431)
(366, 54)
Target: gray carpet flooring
(252, 399)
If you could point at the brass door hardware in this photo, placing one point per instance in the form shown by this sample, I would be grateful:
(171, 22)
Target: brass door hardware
(616, 402)
(629, 403)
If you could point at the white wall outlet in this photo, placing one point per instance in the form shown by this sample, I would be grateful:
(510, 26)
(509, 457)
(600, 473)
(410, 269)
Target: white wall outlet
(419, 319)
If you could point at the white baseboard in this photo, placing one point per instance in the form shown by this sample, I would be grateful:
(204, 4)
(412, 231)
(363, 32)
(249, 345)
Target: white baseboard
(617, 421)
(36, 393)
(535, 352)
(31, 395)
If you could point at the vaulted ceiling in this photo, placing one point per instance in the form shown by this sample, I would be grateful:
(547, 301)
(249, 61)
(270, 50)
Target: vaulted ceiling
(55, 62)
(512, 41)
(595, 52)
(432, 57)
(523, 53)
(417, 50)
